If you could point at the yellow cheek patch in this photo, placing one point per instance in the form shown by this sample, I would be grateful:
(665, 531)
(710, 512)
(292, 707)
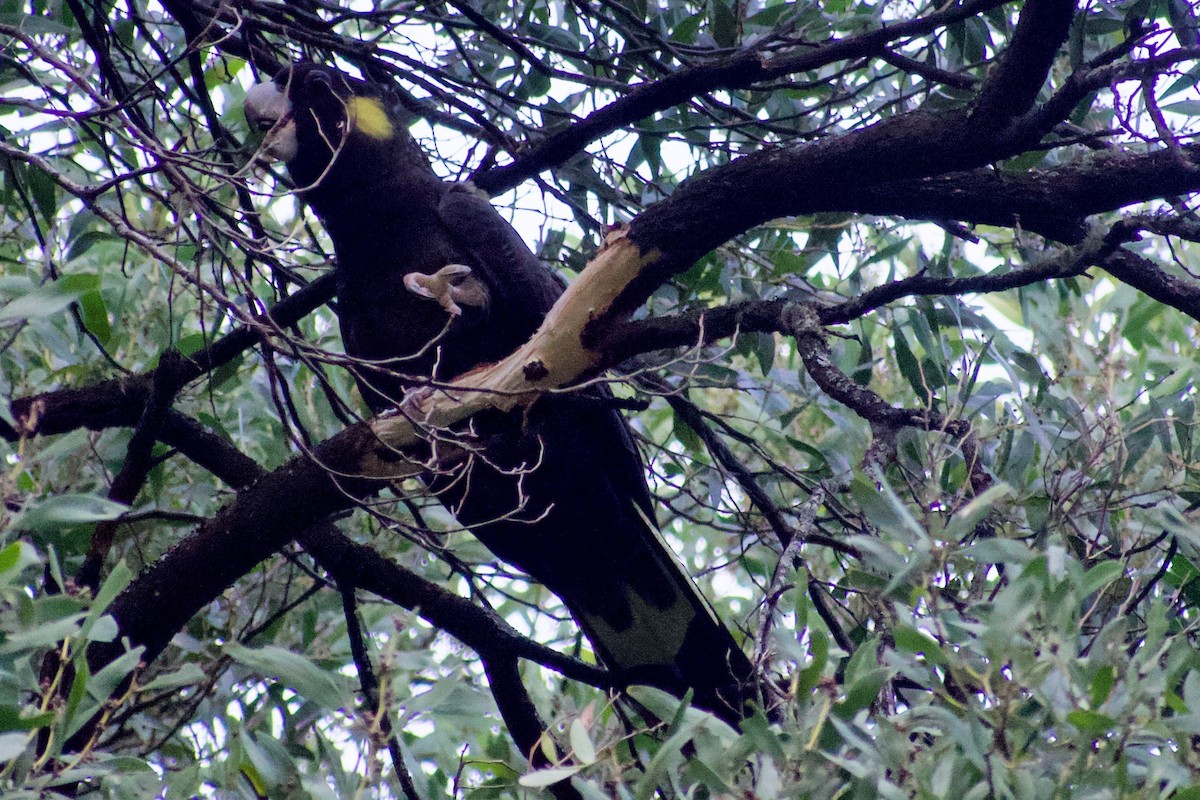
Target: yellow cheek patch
(368, 116)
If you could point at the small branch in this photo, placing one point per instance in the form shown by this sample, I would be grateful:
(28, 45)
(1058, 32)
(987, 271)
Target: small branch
(691, 416)
(476, 627)
(930, 72)
(119, 403)
(791, 556)
(741, 70)
(372, 699)
(702, 327)
(522, 719)
(705, 326)
(1159, 574)
(1083, 82)
(138, 463)
(209, 450)
(514, 44)
(1066, 264)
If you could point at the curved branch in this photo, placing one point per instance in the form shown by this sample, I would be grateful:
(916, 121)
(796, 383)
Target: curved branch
(478, 628)
(804, 325)
(1053, 203)
(1014, 83)
(740, 71)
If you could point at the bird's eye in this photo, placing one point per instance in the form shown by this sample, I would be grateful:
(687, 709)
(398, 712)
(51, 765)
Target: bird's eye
(318, 78)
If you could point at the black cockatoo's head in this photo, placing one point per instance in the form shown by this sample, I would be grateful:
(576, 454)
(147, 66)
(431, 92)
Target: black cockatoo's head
(314, 116)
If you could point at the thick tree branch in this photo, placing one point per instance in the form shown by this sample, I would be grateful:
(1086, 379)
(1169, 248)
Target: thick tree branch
(478, 628)
(715, 206)
(350, 563)
(1054, 203)
(1014, 83)
(355, 463)
(737, 72)
(1144, 275)
(261, 520)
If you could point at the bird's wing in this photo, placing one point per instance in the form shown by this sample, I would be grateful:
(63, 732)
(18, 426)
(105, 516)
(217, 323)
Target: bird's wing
(518, 280)
(514, 275)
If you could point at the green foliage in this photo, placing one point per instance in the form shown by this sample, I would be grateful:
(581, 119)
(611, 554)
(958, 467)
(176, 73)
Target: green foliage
(1030, 638)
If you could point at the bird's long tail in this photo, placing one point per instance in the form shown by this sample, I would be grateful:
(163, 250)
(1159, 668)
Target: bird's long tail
(562, 495)
(672, 637)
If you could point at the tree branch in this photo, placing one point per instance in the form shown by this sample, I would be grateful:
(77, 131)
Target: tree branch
(522, 718)
(119, 402)
(138, 463)
(1014, 83)
(478, 628)
(740, 71)
(1054, 203)
(1144, 275)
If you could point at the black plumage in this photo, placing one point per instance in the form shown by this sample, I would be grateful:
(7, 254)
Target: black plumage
(559, 491)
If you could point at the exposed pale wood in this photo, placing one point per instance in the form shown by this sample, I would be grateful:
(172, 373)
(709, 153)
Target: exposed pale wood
(553, 357)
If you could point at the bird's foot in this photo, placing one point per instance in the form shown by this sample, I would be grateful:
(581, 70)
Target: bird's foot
(452, 287)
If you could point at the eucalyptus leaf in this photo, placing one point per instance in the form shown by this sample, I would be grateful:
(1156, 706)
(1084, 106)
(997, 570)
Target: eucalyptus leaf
(54, 512)
(296, 671)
